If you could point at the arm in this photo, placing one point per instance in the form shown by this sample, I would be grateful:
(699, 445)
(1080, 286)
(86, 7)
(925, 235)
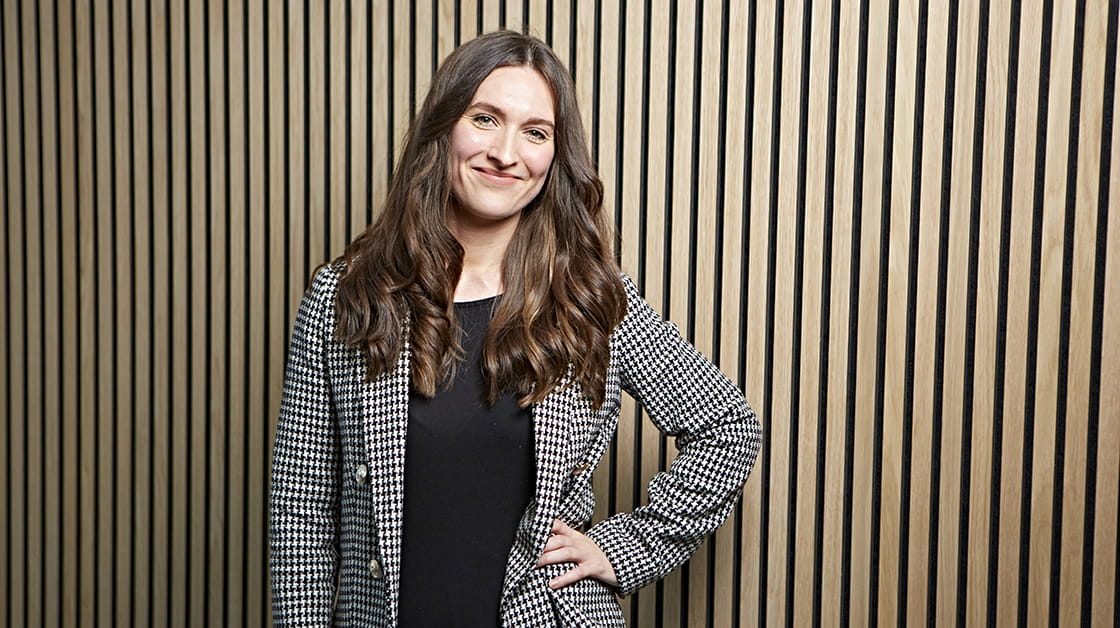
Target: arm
(305, 468)
(718, 438)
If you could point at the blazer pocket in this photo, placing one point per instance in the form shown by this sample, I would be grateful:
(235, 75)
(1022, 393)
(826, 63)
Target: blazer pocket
(587, 603)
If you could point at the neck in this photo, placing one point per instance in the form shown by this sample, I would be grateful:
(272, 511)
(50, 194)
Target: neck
(484, 251)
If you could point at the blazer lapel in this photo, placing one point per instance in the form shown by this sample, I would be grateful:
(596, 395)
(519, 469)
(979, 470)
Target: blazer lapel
(551, 422)
(385, 416)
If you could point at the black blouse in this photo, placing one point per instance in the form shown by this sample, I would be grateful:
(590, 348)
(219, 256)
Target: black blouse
(469, 475)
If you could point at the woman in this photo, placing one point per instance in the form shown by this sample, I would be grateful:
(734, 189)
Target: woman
(455, 377)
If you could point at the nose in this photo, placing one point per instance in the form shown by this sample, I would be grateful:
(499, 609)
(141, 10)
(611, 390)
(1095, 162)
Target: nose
(503, 148)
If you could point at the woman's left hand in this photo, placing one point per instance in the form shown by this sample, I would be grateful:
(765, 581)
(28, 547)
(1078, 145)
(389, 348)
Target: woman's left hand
(571, 546)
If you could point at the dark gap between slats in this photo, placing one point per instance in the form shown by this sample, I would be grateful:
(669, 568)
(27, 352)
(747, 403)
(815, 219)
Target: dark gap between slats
(328, 110)
(548, 22)
(133, 310)
(595, 82)
(151, 305)
(347, 137)
(207, 300)
(189, 340)
(368, 201)
(411, 61)
(172, 418)
(95, 278)
(456, 37)
(226, 319)
(390, 85)
(112, 300)
(251, 276)
(266, 94)
(619, 130)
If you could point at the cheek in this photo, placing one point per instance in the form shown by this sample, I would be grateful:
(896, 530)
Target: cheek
(464, 144)
(539, 163)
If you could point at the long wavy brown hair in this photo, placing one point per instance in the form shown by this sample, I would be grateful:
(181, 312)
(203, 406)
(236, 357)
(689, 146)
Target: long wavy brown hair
(563, 292)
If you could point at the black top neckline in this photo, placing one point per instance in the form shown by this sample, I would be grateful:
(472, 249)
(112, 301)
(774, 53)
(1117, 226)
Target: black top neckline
(478, 302)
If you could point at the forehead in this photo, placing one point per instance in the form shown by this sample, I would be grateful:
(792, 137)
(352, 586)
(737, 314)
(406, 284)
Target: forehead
(520, 92)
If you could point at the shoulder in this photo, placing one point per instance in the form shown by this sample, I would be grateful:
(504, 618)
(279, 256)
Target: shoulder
(639, 313)
(325, 278)
(317, 307)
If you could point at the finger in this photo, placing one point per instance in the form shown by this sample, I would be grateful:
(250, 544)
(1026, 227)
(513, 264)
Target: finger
(568, 577)
(557, 541)
(560, 555)
(560, 527)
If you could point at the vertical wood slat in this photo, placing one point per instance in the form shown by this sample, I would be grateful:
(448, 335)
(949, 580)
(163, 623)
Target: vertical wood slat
(177, 447)
(173, 171)
(17, 343)
(55, 553)
(1103, 606)
(238, 274)
(198, 180)
(8, 514)
(256, 240)
(6, 450)
(161, 168)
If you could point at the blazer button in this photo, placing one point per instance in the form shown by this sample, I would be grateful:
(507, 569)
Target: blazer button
(581, 467)
(375, 569)
(361, 474)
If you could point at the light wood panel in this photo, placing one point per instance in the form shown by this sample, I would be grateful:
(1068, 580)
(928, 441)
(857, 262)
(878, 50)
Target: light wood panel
(909, 268)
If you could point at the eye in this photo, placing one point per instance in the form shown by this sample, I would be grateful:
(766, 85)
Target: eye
(484, 120)
(537, 136)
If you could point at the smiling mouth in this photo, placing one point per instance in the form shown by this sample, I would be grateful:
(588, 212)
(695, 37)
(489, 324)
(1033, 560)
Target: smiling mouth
(496, 176)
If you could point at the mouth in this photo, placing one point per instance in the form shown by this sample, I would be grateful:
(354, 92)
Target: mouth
(496, 176)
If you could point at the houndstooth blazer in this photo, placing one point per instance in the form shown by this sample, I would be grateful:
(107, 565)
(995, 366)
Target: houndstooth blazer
(338, 475)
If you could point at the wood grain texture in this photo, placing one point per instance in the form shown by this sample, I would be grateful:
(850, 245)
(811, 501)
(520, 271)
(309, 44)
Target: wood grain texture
(172, 172)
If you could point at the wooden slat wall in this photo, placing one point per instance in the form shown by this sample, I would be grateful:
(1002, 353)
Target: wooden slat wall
(887, 221)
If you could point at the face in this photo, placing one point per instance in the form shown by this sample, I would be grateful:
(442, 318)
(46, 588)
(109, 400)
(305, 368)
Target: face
(502, 148)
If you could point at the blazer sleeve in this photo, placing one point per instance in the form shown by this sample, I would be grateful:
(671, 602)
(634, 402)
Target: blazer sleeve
(305, 472)
(717, 437)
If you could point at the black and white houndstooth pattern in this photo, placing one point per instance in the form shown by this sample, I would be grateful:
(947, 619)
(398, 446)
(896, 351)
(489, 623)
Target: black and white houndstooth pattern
(338, 475)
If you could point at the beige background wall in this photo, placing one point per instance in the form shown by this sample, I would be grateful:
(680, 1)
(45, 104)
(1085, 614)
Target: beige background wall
(888, 222)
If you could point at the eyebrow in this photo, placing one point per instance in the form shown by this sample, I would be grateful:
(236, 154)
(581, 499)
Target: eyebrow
(502, 114)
